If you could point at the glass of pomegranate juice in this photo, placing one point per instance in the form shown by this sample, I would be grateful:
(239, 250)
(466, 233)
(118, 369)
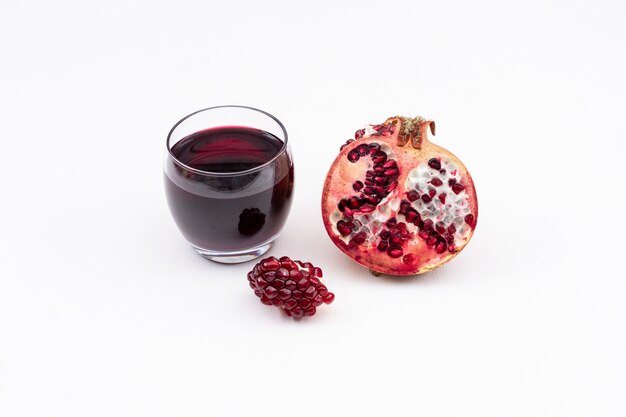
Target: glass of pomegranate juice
(229, 181)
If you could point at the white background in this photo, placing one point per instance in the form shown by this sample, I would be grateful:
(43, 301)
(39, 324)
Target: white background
(106, 311)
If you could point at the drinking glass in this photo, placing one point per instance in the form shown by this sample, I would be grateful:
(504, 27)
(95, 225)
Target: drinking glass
(229, 180)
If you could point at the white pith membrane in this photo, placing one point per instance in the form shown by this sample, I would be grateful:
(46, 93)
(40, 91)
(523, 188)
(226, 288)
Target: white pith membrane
(419, 179)
(456, 206)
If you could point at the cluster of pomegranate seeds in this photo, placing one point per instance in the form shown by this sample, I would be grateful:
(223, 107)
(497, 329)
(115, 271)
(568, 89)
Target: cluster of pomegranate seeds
(294, 286)
(431, 200)
(379, 181)
(393, 238)
(251, 220)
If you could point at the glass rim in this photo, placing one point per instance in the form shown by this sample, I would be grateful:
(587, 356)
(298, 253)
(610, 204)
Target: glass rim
(282, 150)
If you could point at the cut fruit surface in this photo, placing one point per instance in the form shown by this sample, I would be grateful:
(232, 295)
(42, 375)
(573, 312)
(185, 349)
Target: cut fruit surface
(397, 203)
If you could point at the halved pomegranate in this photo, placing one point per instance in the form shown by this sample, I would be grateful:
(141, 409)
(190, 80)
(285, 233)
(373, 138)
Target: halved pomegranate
(397, 203)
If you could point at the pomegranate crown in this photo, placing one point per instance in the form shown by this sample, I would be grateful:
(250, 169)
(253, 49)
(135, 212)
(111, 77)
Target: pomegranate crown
(413, 129)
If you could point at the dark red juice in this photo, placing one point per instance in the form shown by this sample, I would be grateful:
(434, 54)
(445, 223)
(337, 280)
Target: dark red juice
(221, 208)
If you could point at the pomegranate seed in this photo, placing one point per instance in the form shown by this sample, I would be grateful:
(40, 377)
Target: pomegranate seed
(374, 148)
(358, 239)
(441, 247)
(310, 292)
(408, 259)
(452, 248)
(343, 228)
(374, 199)
(379, 190)
(404, 206)
(432, 239)
(391, 172)
(270, 292)
(391, 223)
(379, 158)
(261, 283)
(436, 182)
(428, 224)
(442, 171)
(354, 203)
(395, 240)
(368, 191)
(322, 290)
(329, 298)
(384, 235)
(469, 219)
(390, 164)
(457, 188)
(413, 195)
(434, 163)
(367, 208)
(270, 264)
(432, 192)
(426, 198)
(440, 227)
(424, 234)
(369, 182)
(284, 294)
(359, 134)
(394, 251)
(303, 284)
(451, 181)
(357, 185)
(380, 180)
(342, 204)
(411, 214)
(383, 245)
(442, 198)
(289, 264)
(451, 229)
(362, 149)
(392, 186)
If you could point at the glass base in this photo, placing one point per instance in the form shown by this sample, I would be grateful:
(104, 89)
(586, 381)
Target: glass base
(236, 256)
